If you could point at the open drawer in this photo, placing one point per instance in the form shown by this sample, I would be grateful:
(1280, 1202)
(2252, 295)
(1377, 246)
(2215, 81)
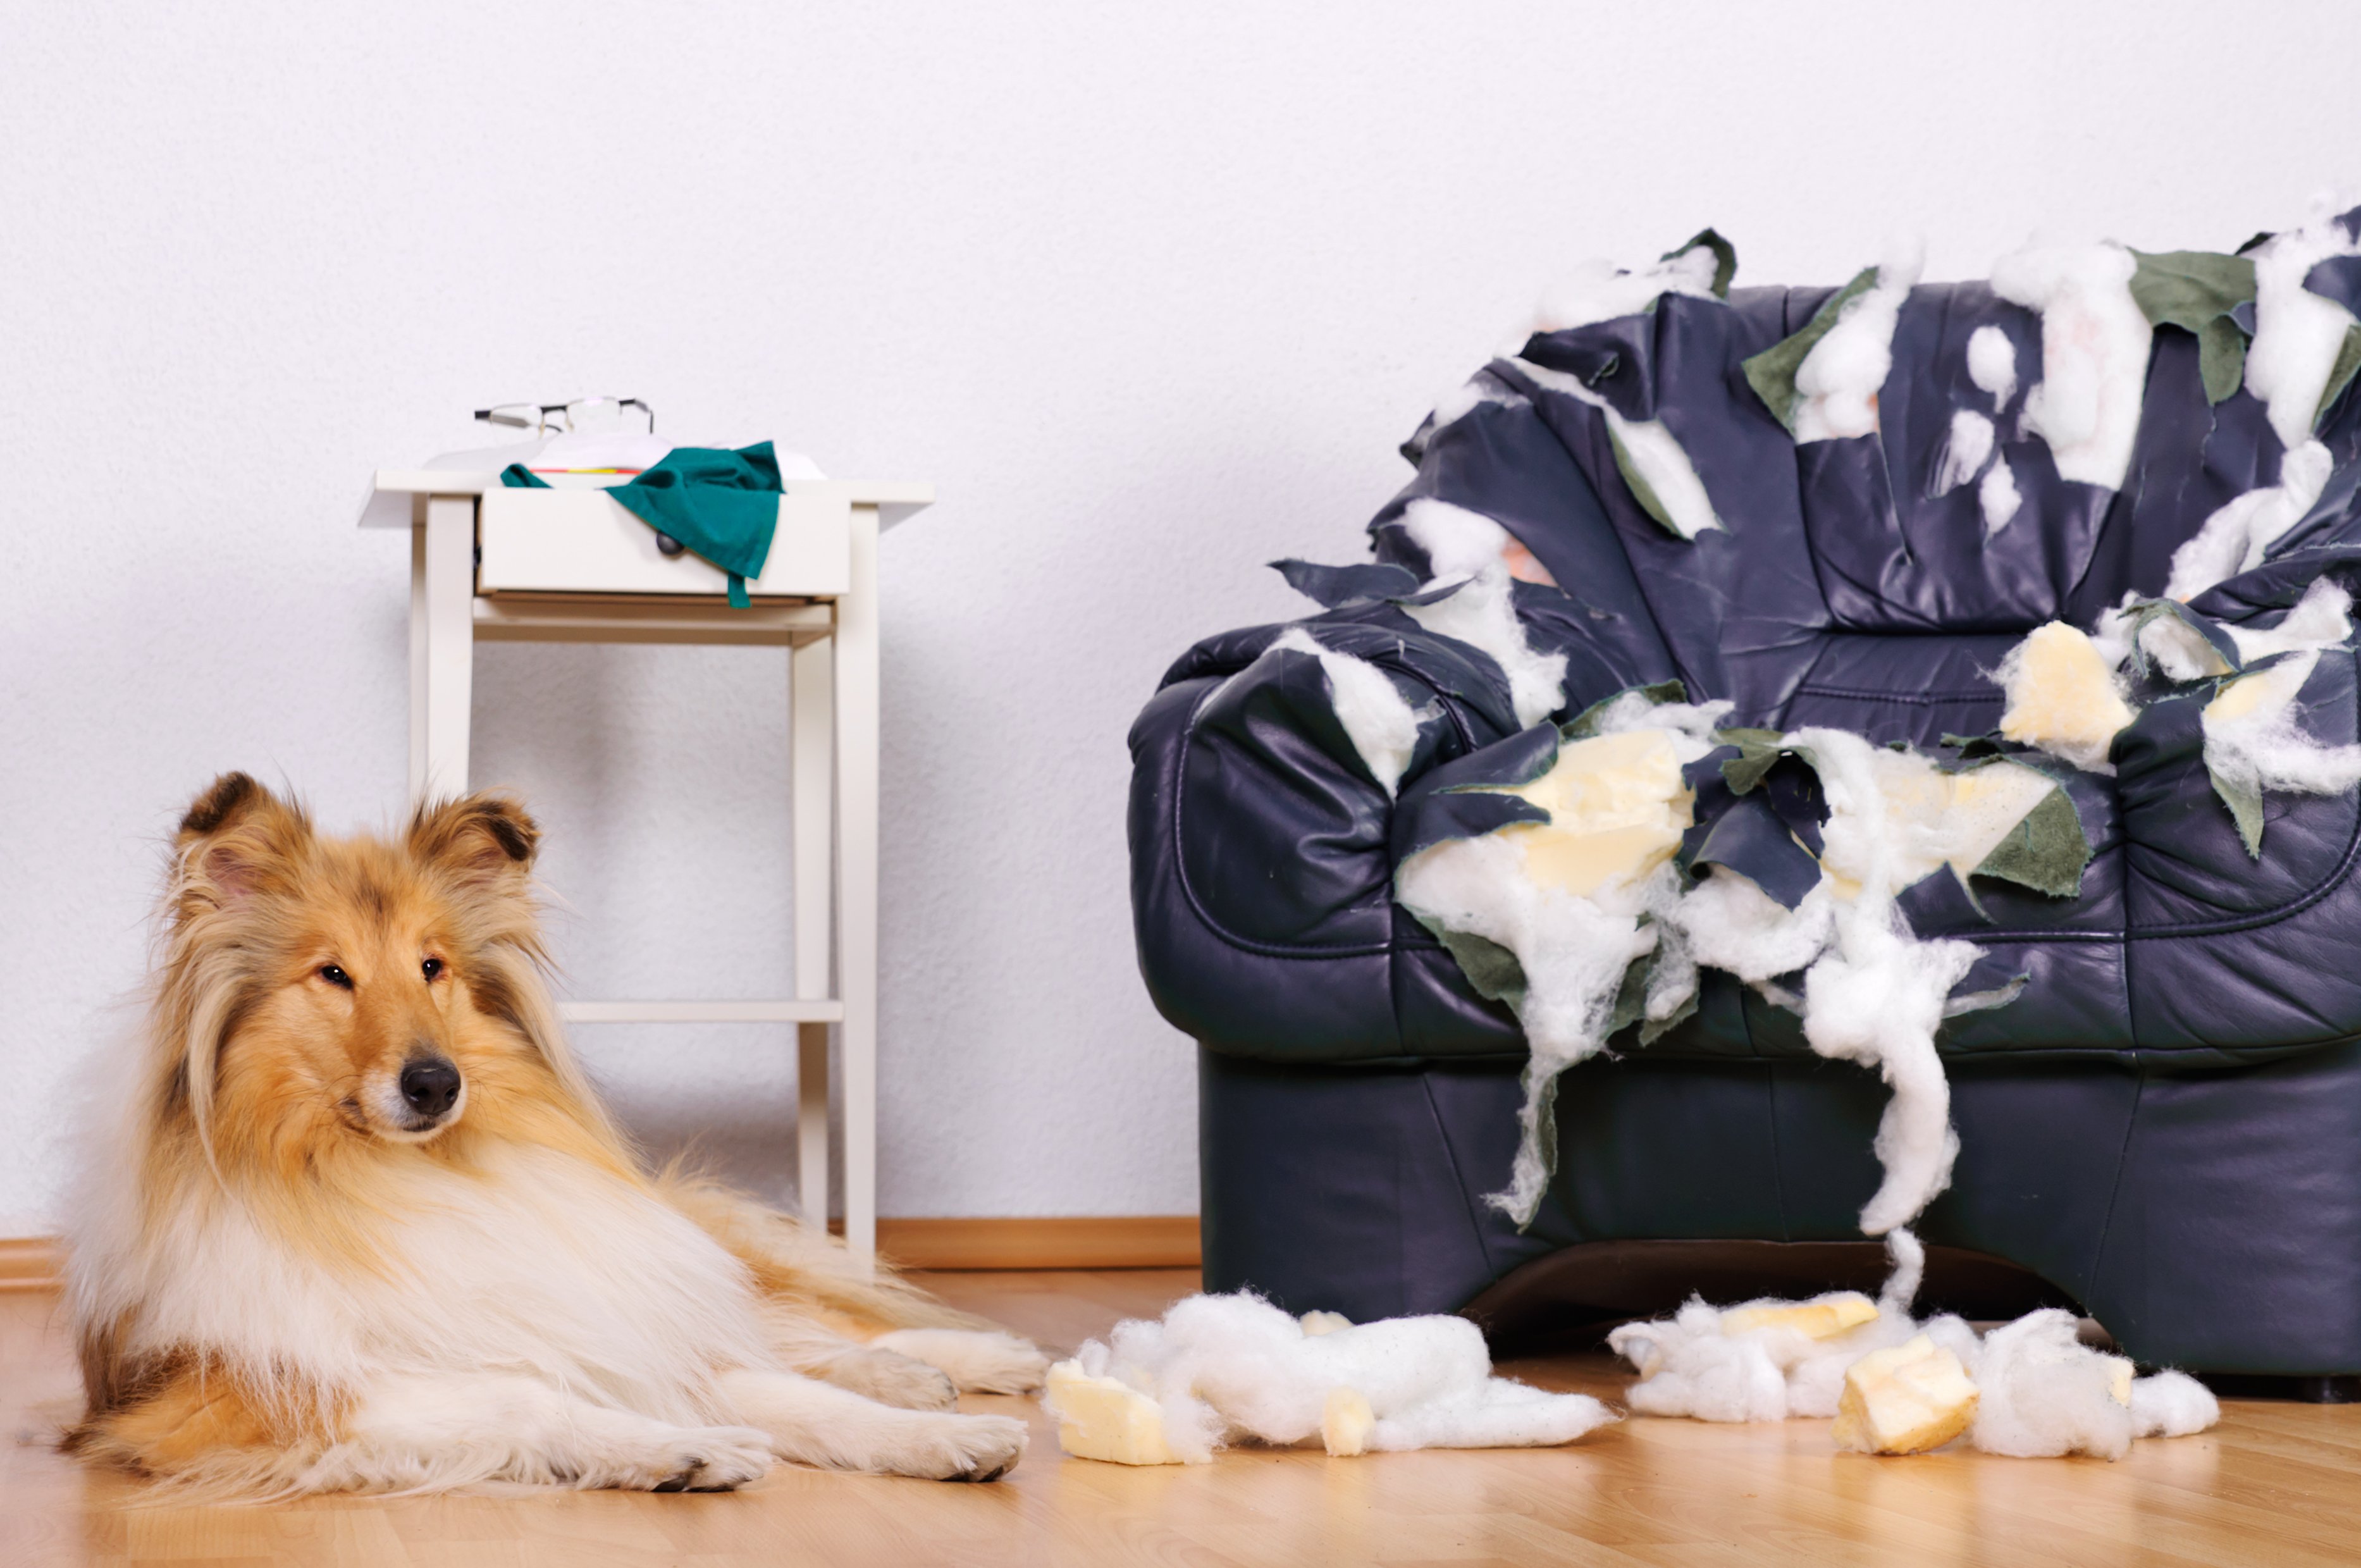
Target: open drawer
(582, 541)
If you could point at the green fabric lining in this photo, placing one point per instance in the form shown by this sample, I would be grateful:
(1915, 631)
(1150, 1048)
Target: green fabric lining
(2047, 852)
(2196, 291)
(1725, 258)
(1642, 491)
(2348, 362)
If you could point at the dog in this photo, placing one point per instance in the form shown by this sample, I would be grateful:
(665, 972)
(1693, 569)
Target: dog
(357, 1220)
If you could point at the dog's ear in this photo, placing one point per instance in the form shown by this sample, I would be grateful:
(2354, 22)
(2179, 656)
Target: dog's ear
(481, 839)
(236, 839)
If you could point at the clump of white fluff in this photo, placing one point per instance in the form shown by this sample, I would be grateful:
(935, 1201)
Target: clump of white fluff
(1992, 365)
(1574, 948)
(1459, 543)
(1998, 496)
(2322, 619)
(1966, 453)
(1837, 384)
(1230, 1366)
(1653, 452)
(1574, 951)
(1712, 1364)
(2040, 1391)
(2297, 332)
(1375, 714)
(2095, 351)
(2241, 532)
(1728, 923)
(1483, 613)
(1600, 292)
(2172, 1404)
(1877, 996)
(2254, 740)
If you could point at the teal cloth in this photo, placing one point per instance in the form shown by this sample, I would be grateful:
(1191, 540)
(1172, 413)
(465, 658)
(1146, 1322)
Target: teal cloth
(724, 505)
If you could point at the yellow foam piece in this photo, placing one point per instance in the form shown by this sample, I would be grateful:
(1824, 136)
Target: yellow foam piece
(2119, 1378)
(1942, 818)
(1905, 1399)
(1823, 1317)
(1618, 808)
(2271, 688)
(2063, 696)
(1345, 1420)
(1105, 1417)
(1318, 1323)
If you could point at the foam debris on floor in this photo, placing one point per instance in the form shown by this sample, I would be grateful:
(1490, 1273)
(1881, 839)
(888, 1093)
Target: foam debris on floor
(1897, 1383)
(1221, 1369)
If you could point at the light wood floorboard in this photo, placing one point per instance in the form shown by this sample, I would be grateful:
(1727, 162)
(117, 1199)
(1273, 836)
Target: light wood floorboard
(2275, 1484)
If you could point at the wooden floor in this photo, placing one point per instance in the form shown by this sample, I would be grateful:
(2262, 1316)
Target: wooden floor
(2275, 1484)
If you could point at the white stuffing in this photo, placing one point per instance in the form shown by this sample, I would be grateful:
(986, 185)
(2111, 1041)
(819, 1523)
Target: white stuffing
(1573, 950)
(1877, 996)
(1874, 994)
(2322, 619)
(1966, 453)
(1223, 1368)
(1459, 543)
(1600, 292)
(1574, 940)
(2297, 332)
(2180, 651)
(1382, 724)
(2045, 1393)
(1654, 452)
(2095, 351)
(2039, 1391)
(1999, 496)
(1837, 384)
(1728, 923)
(2241, 532)
(2172, 1404)
(1483, 613)
(1992, 365)
(1754, 1362)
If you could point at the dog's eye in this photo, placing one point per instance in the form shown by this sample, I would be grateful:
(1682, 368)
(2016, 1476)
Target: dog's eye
(429, 969)
(335, 976)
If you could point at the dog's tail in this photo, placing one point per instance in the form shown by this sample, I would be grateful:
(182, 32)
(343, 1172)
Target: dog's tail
(792, 1263)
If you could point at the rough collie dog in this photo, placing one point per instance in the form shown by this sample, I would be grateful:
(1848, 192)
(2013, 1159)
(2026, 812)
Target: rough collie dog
(360, 1222)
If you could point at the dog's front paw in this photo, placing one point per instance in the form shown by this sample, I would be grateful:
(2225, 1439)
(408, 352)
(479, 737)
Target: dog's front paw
(958, 1448)
(703, 1459)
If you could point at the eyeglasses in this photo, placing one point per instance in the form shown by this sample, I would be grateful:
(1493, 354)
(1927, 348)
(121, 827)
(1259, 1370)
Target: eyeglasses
(583, 416)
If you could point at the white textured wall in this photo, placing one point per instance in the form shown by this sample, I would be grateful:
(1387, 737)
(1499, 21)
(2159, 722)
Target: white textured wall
(1150, 293)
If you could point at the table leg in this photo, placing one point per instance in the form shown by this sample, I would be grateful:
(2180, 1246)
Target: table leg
(449, 659)
(812, 697)
(418, 663)
(856, 817)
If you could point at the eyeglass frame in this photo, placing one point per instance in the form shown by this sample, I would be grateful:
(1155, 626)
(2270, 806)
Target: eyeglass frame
(545, 410)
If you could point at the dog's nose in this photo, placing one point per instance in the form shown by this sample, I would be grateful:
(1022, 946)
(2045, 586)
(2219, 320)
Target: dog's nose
(429, 1085)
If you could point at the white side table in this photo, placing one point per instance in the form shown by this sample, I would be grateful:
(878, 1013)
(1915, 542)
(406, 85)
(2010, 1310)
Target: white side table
(571, 565)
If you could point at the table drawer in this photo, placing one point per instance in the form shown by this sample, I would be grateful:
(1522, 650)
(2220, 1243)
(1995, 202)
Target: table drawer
(584, 541)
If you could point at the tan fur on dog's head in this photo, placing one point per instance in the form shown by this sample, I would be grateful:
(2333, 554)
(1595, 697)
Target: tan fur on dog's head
(311, 986)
